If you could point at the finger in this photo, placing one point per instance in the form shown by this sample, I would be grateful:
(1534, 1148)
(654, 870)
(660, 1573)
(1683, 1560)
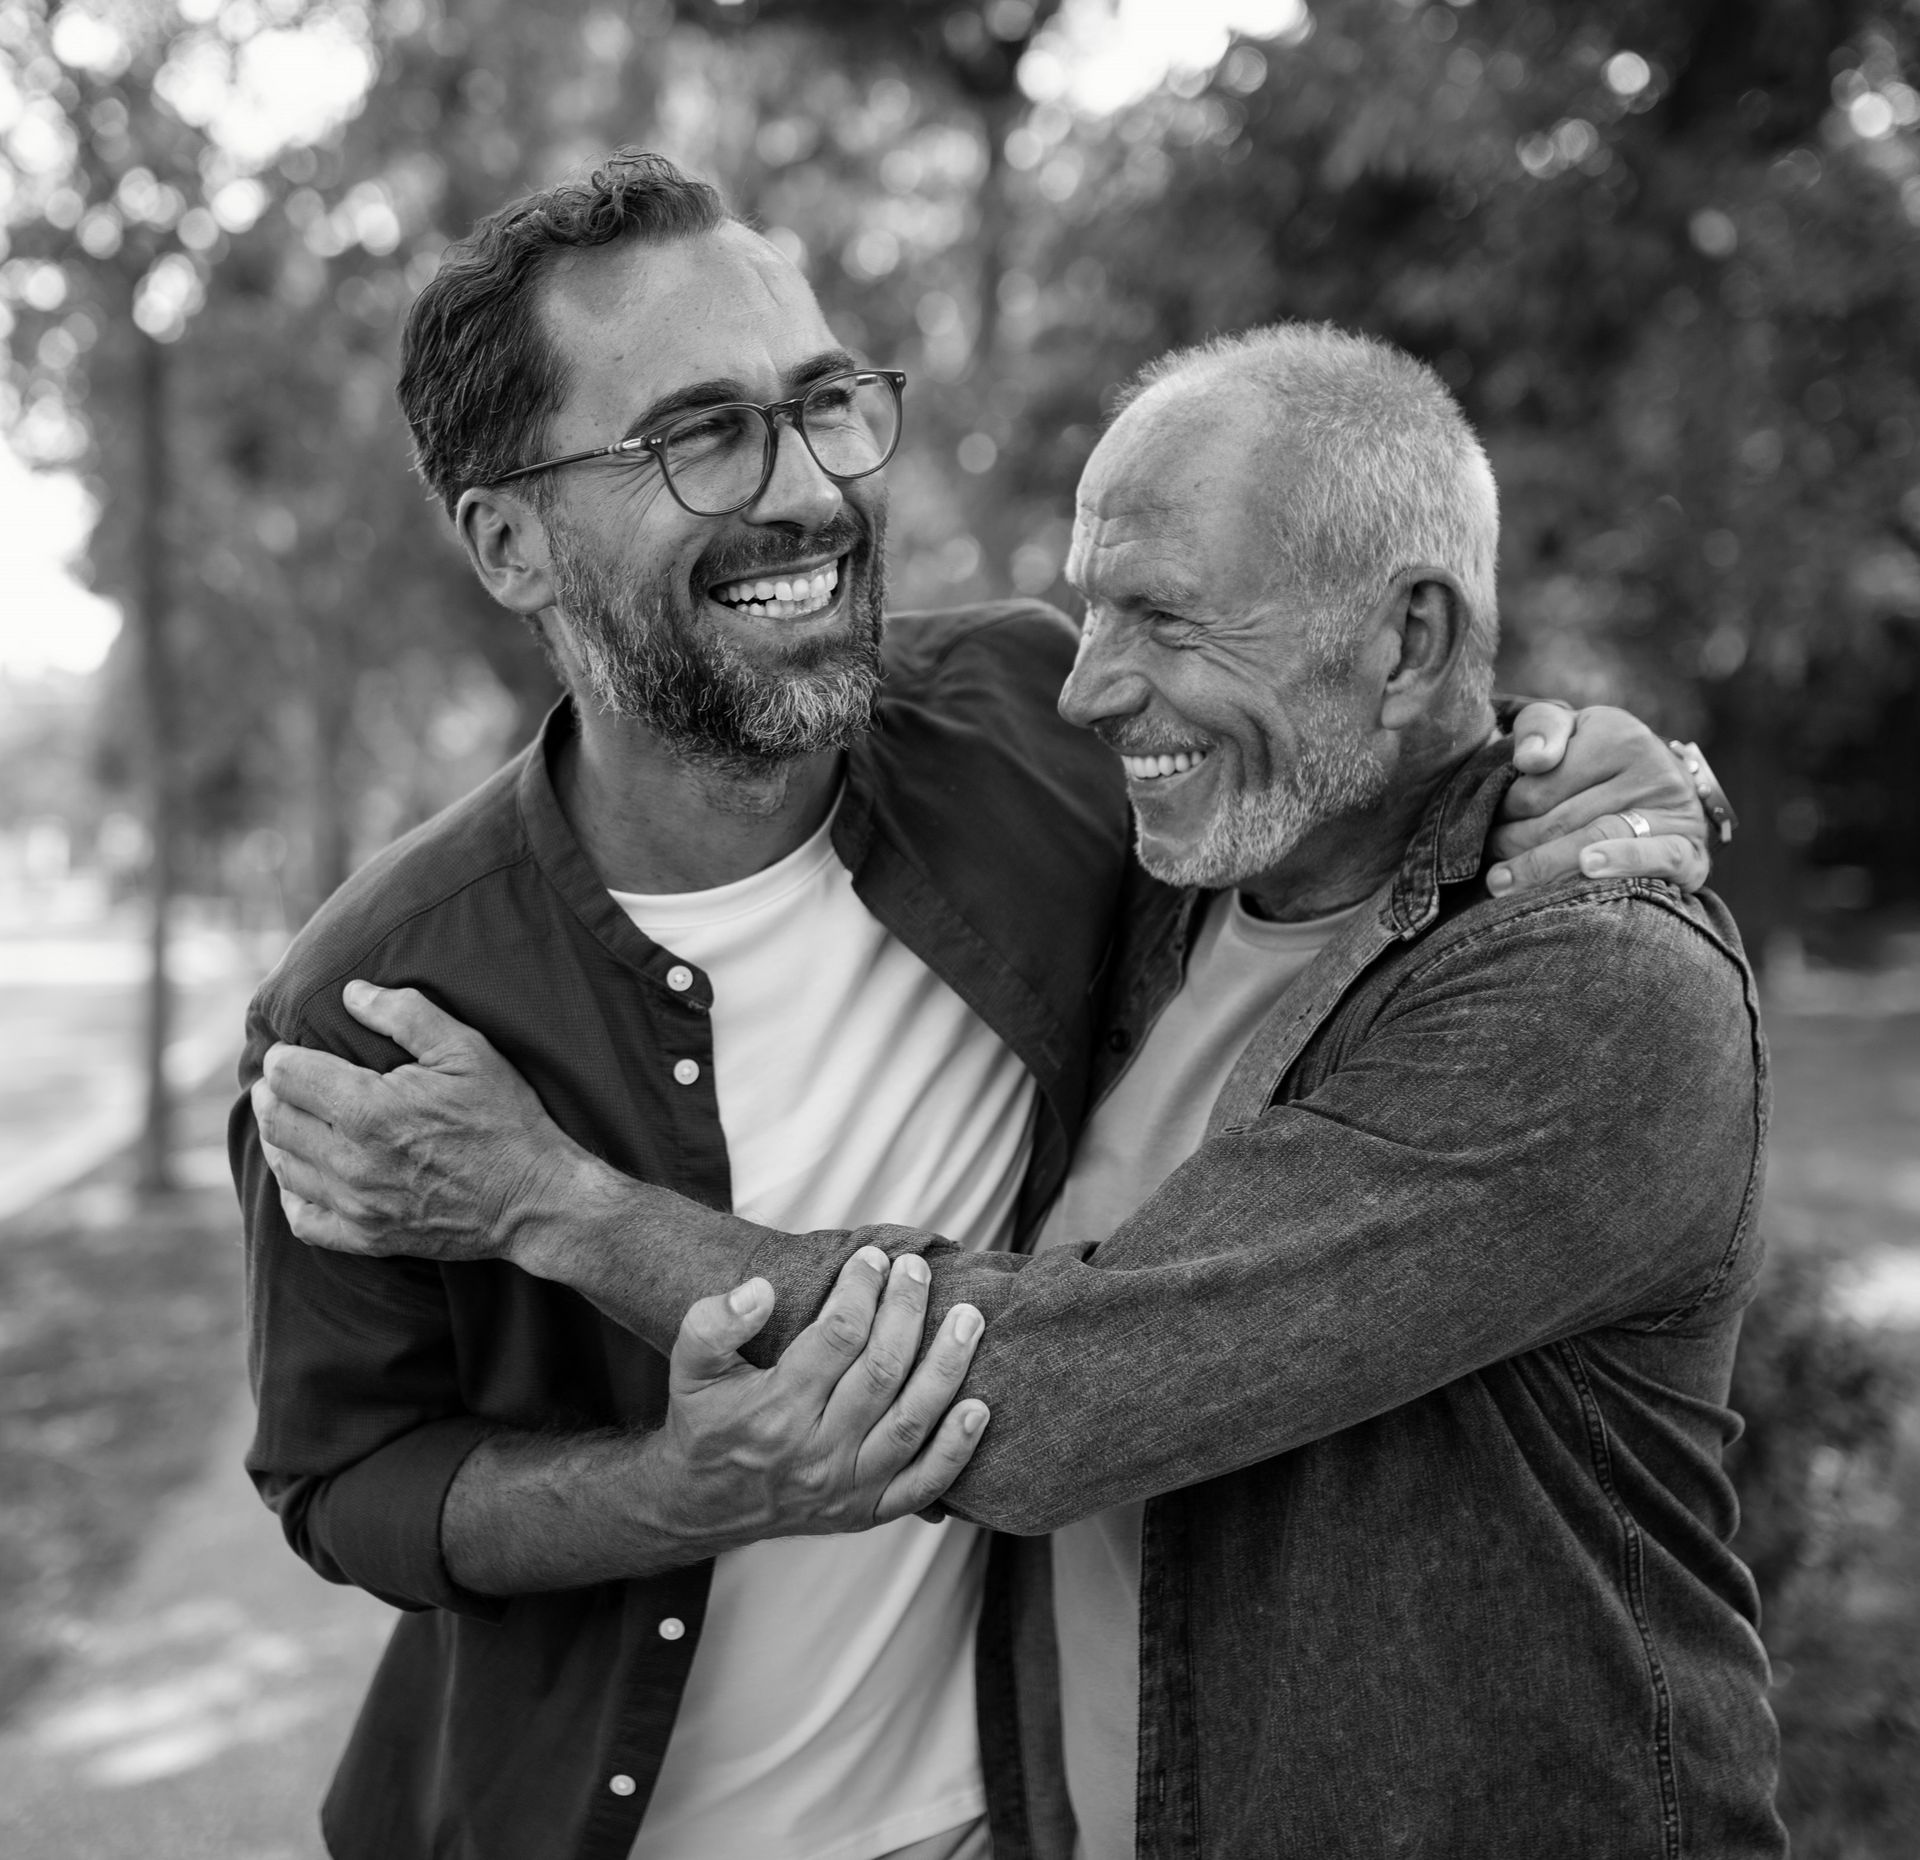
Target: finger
(907, 1425)
(1670, 856)
(1541, 733)
(944, 1459)
(881, 1369)
(409, 1019)
(320, 1226)
(289, 1128)
(329, 1087)
(815, 1360)
(1541, 812)
(707, 1346)
(1559, 858)
(300, 1178)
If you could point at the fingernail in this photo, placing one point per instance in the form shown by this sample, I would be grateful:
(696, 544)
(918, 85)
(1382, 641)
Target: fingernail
(1532, 745)
(872, 1256)
(1500, 879)
(967, 1323)
(743, 1298)
(1594, 862)
(358, 994)
(913, 1266)
(972, 1419)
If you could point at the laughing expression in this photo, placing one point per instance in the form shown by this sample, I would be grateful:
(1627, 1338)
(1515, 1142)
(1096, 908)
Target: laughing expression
(793, 580)
(1238, 736)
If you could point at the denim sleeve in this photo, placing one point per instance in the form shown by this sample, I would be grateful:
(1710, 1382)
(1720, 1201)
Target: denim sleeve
(361, 1426)
(1549, 1125)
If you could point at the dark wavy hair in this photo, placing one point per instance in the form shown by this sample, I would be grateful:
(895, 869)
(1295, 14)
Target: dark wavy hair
(479, 374)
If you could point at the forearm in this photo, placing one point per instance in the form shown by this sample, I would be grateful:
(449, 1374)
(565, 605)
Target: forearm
(1446, 1199)
(641, 1254)
(532, 1512)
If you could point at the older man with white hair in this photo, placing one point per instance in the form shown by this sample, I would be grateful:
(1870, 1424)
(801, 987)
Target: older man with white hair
(1371, 1372)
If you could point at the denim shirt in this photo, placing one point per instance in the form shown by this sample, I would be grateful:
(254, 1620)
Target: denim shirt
(1422, 1360)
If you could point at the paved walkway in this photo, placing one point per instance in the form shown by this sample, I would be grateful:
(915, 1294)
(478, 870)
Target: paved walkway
(200, 1713)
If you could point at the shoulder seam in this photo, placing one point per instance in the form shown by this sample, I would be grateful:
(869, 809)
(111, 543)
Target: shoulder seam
(298, 1006)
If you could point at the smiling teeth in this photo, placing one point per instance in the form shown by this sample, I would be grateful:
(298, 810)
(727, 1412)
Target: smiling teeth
(1157, 768)
(786, 597)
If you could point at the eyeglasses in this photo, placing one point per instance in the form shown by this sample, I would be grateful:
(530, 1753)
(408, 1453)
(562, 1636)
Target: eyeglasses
(720, 459)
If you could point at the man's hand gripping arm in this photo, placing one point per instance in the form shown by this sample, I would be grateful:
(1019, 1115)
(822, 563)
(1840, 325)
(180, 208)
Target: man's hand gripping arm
(453, 1157)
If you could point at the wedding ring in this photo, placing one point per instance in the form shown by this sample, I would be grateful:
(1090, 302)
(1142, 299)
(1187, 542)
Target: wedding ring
(1638, 821)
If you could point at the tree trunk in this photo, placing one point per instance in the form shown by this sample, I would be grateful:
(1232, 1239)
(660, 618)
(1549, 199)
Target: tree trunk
(157, 701)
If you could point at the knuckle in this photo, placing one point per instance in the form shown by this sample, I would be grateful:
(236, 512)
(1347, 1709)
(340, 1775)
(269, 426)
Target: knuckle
(904, 1430)
(845, 1330)
(886, 1366)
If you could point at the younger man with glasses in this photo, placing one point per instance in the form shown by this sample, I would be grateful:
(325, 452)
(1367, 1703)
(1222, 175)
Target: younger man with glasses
(741, 945)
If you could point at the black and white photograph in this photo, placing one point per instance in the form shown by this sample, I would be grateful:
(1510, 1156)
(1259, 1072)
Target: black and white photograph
(959, 929)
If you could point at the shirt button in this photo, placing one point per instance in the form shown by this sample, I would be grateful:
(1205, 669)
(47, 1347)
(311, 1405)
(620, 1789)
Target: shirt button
(1119, 1040)
(680, 978)
(672, 1628)
(686, 1071)
(622, 1785)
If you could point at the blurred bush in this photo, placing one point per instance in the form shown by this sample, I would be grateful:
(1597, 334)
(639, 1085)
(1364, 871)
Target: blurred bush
(1664, 251)
(1828, 1475)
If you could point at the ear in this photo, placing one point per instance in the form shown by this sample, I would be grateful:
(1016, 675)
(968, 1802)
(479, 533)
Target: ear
(1428, 613)
(506, 542)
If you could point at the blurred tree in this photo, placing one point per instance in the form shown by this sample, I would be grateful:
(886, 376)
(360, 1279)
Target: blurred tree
(118, 198)
(1666, 254)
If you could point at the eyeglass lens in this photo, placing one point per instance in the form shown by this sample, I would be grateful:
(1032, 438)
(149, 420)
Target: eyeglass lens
(717, 459)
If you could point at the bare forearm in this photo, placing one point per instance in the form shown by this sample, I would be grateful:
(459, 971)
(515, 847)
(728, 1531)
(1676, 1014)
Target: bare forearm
(533, 1512)
(642, 1254)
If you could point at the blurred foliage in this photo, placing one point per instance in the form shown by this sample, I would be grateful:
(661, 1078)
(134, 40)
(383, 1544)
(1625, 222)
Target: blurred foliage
(1828, 1474)
(1665, 253)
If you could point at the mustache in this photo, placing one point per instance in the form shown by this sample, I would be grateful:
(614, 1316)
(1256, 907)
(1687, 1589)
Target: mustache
(1130, 738)
(734, 558)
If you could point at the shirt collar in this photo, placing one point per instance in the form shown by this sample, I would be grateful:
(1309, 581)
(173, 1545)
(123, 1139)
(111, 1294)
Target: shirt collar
(1449, 845)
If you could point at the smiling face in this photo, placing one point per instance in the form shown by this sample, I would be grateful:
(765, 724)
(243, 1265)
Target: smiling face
(1239, 734)
(754, 634)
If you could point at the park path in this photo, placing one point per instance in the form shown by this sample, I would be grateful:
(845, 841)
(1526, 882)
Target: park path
(198, 1715)
(197, 1710)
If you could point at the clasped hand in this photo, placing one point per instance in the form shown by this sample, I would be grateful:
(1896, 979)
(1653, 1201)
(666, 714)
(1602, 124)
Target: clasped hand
(846, 1431)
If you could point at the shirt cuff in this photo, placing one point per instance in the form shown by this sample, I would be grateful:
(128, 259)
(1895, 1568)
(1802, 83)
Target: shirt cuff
(379, 1520)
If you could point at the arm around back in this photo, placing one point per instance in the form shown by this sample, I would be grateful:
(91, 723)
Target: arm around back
(1544, 1119)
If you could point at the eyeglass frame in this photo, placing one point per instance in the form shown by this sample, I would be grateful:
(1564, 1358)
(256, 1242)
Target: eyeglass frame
(771, 412)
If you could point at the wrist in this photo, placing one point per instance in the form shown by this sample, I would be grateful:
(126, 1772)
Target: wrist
(543, 1222)
(691, 1505)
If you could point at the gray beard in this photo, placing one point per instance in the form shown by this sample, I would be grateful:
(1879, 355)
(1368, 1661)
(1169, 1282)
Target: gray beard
(1253, 830)
(706, 699)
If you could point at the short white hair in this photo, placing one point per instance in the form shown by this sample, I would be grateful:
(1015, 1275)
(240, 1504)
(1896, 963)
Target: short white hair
(1382, 472)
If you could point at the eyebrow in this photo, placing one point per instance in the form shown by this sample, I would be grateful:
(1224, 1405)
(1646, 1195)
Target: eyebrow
(1150, 591)
(722, 388)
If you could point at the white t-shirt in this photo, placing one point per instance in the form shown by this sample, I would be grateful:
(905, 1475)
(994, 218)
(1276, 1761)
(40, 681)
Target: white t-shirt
(829, 1714)
(1144, 1129)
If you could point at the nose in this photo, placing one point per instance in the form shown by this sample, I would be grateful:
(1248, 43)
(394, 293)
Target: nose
(799, 492)
(1102, 685)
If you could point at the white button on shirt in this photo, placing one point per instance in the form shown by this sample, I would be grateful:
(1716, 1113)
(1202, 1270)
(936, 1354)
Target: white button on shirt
(680, 978)
(672, 1628)
(829, 1705)
(686, 1071)
(622, 1785)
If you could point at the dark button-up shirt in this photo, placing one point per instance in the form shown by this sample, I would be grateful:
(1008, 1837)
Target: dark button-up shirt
(979, 829)
(1422, 1360)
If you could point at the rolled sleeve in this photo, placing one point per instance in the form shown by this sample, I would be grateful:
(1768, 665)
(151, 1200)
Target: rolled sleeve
(1544, 1129)
(361, 1427)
